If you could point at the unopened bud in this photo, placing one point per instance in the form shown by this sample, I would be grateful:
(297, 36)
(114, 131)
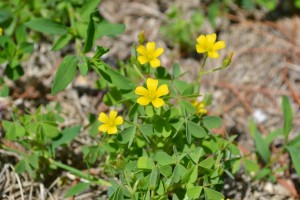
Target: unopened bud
(141, 37)
(227, 60)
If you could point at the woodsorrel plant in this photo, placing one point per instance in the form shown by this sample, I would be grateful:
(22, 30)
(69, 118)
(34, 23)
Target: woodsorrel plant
(160, 145)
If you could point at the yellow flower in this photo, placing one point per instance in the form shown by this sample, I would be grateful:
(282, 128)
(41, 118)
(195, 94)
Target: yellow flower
(1, 31)
(200, 107)
(109, 123)
(149, 54)
(207, 44)
(152, 94)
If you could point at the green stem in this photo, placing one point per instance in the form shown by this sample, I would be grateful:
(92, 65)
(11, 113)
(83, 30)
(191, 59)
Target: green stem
(65, 167)
(198, 79)
(138, 71)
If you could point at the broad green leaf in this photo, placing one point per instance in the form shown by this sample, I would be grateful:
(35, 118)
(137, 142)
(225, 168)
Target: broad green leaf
(287, 116)
(113, 76)
(26, 48)
(65, 74)
(208, 163)
(196, 130)
(176, 70)
(179, 171)
(262, 147)
(166, 170)
(46, 26)
(212, 122)
(22, 166)
(251, 166)
(127, 135)
(145, 163)
(194, 192)
(13, 130)
(49, 130)
(33, 160)
(21, 34)
(108, 29)
(188, 107)
(294, 152)
(213, 194)
(84, 66)
(196, 154)
(163, 158)
(61, 42)
(66, 136)
(91, 153)
(77, 189)
(263, 173)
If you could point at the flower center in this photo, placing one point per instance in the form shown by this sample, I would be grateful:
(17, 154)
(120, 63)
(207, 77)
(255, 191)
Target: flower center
(152, 95)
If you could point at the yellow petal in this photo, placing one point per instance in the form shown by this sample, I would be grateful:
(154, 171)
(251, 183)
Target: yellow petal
(103, 127)
(103, 118)
(112, 115)
(200, 48)
(142, 59)
(219, 45)
(119, 120)
(158, 52)
(201, 40)
(152, 84)
(211, 40)
(150, 46)
(112, 130)
(143, 101)
(141, 91)
(155, 63)
(158, 102)
(213, 54)
(142, 50)
(162, 90)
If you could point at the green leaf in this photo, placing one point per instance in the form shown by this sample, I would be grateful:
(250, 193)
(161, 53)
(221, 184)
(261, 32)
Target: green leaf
(191, 174)
(196, 130)
(295, 142)
(185, 105)
(176, 70)
(34, 161)
(194, 192)
(271, 136)
(213, 194)
(84, 66)
(80, 187)
(196, 154)
(212, 122)
(22, 166)
(100, 52)
(46, 26)
(66, 136)
(251, 166)
(21, 34)
(26, 48)
(145, 163)
(287, 116)
(88, 7)
(49, 130)
(179, 171)
(163, 158)
(61, 42)
(208, 163)
(113, 77)
(90, 34)
(262, 147)
(13, 130)
(108, 29)
(127, 135)
(14, 73)
(4, 92)
(294, 152)
(118, 194)
(65, 74)
(153, 178)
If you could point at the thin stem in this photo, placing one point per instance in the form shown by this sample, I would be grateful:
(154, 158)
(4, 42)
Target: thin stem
(138, 71)
(198, 79)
